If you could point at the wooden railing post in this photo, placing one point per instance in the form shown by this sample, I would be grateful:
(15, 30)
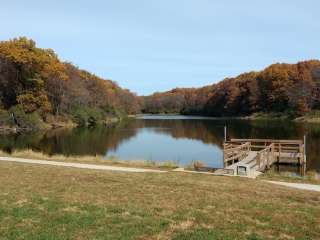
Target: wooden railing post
(224, 155)
(267, 159)
(272, 153)
(279, 152)
(301, 154)
(304, 149)
(258, 161)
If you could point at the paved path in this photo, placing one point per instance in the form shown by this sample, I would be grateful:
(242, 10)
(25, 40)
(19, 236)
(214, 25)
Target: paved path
(303, 186)
(79, 165)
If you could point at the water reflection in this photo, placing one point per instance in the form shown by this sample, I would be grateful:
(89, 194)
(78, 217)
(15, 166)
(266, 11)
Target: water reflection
(181, 139)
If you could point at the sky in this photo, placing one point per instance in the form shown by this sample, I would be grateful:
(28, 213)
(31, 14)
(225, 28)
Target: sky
(156, 45)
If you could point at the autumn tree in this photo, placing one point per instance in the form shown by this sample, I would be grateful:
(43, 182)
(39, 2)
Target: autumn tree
(39, 82)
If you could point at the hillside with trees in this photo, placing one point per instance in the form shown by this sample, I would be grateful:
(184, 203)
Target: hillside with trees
(37, 89)
(291, 90)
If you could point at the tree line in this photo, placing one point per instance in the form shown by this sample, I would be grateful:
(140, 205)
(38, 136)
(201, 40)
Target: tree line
(288, 89)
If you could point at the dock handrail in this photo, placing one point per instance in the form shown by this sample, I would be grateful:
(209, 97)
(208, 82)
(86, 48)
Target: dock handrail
(233, 152)
(294, 141)
(265, 157)
(281, 147)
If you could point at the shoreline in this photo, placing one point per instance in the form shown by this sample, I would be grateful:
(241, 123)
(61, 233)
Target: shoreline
(311, 177)
(5, 129)
(253, 117)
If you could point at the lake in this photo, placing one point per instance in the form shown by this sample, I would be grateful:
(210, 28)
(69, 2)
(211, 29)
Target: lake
(180, 139)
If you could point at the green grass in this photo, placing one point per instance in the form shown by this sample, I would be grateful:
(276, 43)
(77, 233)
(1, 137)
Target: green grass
(42, 202)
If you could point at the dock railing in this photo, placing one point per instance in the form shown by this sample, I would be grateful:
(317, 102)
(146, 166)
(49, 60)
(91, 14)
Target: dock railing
(235, 152)
(257, 155)
(283, 149)
(265, 157)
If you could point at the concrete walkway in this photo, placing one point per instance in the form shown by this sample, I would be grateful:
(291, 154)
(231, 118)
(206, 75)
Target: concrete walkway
(303, 186)
(79, 165)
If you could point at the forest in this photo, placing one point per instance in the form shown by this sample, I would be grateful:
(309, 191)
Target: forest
(290, 90)
(37, 90)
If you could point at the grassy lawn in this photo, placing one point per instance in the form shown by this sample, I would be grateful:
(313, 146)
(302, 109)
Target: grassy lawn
(46, 202)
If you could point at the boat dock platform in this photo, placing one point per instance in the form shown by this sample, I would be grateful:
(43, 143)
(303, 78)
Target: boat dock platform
(251, 157)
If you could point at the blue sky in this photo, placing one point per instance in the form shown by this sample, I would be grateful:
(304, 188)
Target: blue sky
(148, 45)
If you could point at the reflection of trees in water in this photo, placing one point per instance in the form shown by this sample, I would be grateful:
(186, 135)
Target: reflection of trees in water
(78, 141)
(10, 142)
(94, 141)
(313, 147)
(100, 140)
(190, 129)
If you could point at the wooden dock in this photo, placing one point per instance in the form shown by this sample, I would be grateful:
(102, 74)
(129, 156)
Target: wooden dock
(251, 157)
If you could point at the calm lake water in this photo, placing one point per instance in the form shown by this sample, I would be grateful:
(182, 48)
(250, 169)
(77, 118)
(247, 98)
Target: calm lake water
(166, 138)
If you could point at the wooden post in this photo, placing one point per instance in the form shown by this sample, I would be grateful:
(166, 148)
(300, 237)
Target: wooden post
(279, 153)
(272, 152)
(301, 154)
(305, 149)
(225, 140)
(304, 169)
(258, 161)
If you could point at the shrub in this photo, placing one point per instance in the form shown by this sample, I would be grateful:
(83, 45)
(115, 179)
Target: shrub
(5, 118)
(110, 111)
(198, 164)
(86, 116)
(31, 121)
